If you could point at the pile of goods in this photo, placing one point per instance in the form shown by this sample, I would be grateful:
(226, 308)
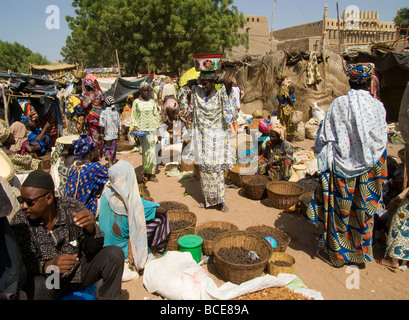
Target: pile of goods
(273, 293)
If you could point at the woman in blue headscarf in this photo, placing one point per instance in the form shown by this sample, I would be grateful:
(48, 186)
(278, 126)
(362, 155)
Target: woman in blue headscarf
(351, 146)
(86, 178)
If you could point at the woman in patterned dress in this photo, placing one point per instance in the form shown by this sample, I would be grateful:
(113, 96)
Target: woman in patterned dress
(145, 117)
(277, 157)
(286, 102)
(351, 146)
(213, 115)
(397, 240)
(86, 178)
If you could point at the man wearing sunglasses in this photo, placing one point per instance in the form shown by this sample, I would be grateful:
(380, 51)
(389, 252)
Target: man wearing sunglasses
(60, 234)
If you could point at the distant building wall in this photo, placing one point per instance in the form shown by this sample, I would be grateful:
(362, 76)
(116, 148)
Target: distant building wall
(258, 39)
(357, 29)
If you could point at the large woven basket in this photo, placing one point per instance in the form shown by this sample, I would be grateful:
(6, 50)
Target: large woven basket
(237, 172)
(186, 166)
(282, 238)
(174, 205)
(274, 268)
(283, 194)
(207, 247)
(255, 191)
(239, 273)
(179, 215)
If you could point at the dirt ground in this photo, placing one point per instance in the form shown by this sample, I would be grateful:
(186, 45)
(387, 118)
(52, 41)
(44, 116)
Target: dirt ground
(375, 281)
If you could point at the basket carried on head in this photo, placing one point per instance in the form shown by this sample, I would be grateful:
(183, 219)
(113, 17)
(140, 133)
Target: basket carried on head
(207, 246)
(255, 186)
(282, 239)
(175, 216)
(79, 74)
(239, 273)
(283, 194)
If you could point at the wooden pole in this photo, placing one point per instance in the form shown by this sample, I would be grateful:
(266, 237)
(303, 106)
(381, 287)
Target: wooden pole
(6, 105)
(271, 29)
(339, 31)
(117, 62)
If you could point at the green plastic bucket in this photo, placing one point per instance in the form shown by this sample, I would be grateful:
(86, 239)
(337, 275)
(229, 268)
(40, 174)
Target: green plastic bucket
(191, 243)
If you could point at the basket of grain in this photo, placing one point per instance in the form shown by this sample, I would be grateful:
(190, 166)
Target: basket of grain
(179, 220)
(210, 230)
(280, 262)
(255, 186)
(281, 238)
(174, 205)
(283, 194)
(240, 256)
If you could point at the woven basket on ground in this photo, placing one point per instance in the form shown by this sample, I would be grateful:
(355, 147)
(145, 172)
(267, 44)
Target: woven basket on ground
(207, 247)
(239, 273)
(186, 166)
(174, 205)
(274, 267)
(282, 238)
(305, 200)
(255, 190)
(237, 172)
(283, 194)
(179, 215)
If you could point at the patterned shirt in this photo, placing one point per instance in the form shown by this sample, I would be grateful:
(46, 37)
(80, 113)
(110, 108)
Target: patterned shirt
(145, 115)
(111, 121)
(39, 245)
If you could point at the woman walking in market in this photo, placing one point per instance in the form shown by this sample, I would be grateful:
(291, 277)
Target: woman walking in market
(213, 115)
(145, 117)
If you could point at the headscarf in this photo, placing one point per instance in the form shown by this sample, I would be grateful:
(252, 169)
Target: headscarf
(264, 126)
(122, 194)
(281, 76)
(89, 83)
(19, 131)
(144, 84)
(110, 100)
(39, 179)
(360, 73)
(83, 145)
(281, 130)
(25, 119)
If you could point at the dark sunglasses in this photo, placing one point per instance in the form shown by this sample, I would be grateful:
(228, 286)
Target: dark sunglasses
(31, 202)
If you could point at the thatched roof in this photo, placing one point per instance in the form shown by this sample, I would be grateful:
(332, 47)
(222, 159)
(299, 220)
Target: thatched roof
(54, 67)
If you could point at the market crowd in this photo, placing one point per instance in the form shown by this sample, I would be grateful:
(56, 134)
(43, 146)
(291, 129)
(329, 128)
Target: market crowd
(84, 220)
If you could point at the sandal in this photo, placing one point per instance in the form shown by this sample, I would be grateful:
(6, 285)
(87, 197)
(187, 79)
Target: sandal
(225, 208)
(202, 205)
(389, 267)
(324, 257)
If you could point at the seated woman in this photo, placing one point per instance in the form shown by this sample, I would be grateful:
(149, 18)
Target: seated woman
(22, 145)
(277, 158)
(37, 135)
(129, 221)
(397, 239)
(21, 163)
(86, 177)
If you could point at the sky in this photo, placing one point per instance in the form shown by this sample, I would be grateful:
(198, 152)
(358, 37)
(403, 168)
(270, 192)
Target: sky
(40, 25)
